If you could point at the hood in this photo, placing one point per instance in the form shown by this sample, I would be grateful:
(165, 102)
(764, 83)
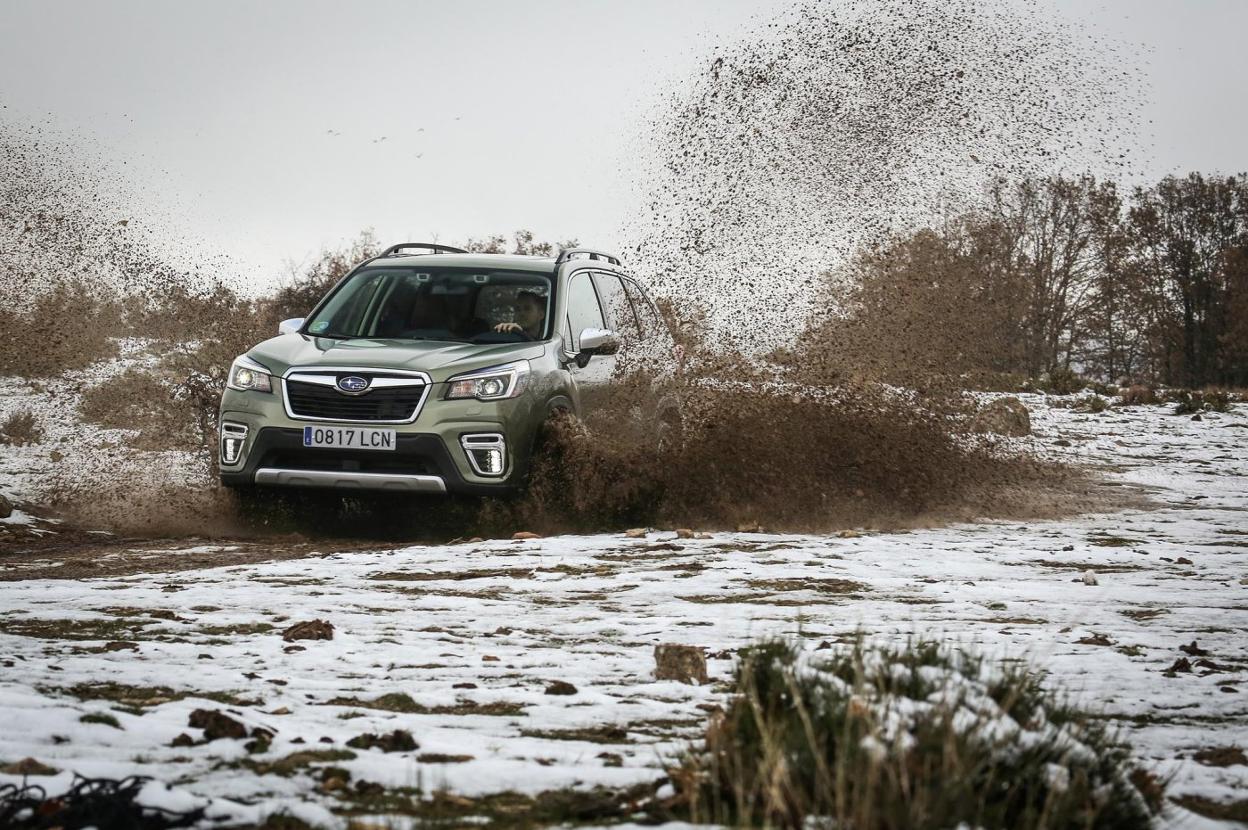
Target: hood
(440, 360)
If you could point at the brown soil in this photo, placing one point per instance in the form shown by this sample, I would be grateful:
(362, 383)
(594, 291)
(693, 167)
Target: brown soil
(76, 554)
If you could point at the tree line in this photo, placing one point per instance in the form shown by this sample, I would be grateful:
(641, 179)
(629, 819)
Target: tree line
(1058, 274)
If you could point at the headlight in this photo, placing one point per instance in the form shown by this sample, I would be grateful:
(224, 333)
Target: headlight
(493, 384)
(248, 375)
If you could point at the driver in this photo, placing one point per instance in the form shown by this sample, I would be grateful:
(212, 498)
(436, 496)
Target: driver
(530, 316)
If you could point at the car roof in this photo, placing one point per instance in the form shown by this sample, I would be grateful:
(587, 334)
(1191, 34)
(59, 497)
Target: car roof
(544, 264)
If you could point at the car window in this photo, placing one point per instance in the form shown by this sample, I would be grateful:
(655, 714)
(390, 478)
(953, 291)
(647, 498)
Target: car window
(437, 303)
(583, 309)
(618, 307)
(651, 323)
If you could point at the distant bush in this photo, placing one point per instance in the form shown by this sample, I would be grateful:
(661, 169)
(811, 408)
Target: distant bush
(1188, 402)
(1094, 404)
(1062, 381)
(143, 400)
(67, 327)
(920, 736)
(1137, 395)
(1108, 390)
(20, 429)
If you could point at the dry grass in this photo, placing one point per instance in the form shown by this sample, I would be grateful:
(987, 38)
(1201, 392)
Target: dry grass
(922, 736)
(20, 429)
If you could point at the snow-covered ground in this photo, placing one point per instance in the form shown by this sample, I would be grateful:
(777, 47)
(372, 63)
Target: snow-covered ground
(473, 634)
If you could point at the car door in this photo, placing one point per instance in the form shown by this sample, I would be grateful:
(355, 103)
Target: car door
(621, 319)
(584, 311)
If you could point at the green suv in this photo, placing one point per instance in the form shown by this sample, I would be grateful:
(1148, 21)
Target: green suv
(429, 369)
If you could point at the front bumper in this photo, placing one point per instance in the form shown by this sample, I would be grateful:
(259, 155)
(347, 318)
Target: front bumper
(430, 455)
(420, 463)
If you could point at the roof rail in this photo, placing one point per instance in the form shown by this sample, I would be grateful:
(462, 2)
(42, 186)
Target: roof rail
(435, 248)
(586, 253)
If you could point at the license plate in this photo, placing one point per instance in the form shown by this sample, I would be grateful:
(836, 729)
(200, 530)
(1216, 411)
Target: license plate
(349, 438)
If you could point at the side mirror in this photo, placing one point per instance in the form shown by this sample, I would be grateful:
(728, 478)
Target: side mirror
(290, 326)
(599, 341)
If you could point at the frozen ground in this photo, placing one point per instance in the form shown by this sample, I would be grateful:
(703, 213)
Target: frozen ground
(472, 635)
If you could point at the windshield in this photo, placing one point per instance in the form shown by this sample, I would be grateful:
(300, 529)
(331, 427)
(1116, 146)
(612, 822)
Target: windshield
(456, 304)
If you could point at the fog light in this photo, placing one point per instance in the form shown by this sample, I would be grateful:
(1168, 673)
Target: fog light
(233, 436)
(487, 453)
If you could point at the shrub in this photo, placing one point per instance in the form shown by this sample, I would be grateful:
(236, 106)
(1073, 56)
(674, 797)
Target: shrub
(20, 429)
(1108, 390)
(1136, 395)
(921, 736)
(72, 326)
(1094, 403)
(1188, 402)
(1062, 381)
(145, 401)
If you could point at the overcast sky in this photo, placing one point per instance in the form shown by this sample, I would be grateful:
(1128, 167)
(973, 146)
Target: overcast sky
(271, 129)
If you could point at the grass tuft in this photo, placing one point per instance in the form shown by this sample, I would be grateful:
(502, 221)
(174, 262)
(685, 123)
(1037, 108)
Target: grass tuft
(916, 736)
(20, 429)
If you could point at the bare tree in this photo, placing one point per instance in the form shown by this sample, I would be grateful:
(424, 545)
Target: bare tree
(1189, 236)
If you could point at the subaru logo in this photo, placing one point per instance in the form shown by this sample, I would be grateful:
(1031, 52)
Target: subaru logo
(352, 384)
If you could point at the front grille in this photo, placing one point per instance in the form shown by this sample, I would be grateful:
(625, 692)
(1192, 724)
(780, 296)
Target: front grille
(391, 403)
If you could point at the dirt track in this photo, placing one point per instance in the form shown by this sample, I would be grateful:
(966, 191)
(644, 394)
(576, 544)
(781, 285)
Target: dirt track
(77, 554)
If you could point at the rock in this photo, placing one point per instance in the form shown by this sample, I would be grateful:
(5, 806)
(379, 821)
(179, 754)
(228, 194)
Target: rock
(309, 630)
(489, 658)
(522, 535)
(1181, 665)
(848, 534)
(611, 759)
(182, 740)
(684, 533)
(749, 527)
(121, 645)
(216, 725)
(28, 766)
(560, 687)
(1183, 560)
(1197, 417)
(1095, 640)
(684, 664)
(6, 507)
(400, 740)
(1004, 416)
(56, 456)
(1089, 578)
(636, 533)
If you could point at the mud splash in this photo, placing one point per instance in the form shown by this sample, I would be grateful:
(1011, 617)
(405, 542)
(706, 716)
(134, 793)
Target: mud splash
(837, 124)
